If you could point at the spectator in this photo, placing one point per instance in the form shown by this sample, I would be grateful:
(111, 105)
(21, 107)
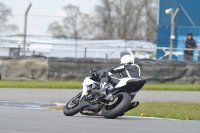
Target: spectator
(190, 43)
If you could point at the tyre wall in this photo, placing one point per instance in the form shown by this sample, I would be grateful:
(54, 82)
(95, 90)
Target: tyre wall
(77, 69)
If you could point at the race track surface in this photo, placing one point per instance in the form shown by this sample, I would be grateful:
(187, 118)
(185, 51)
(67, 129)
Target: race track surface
(14, 120)
(21, 120)
(63, 95)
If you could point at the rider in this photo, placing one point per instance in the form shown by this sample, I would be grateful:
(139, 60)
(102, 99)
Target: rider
(127, 69)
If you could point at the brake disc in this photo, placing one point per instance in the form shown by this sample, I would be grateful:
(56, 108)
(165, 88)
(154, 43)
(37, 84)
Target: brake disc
(72, 104)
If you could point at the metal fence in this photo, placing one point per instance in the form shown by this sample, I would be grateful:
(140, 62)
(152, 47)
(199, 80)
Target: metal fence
(63, 47)
(75, 36)
(82, 37)
(81, 27)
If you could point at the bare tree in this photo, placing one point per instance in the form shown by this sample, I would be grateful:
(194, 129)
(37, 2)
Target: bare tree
(115, 19)
(75, 23)
(5, 13)
(66, 27)
(104, 13)
(149, 22)
(127, 19)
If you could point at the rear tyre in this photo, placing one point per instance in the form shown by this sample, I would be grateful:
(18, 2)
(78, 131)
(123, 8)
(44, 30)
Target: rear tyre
(119, 107)
(71, 108)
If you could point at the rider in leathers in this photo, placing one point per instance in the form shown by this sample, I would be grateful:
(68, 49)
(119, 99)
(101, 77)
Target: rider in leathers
(127, 69)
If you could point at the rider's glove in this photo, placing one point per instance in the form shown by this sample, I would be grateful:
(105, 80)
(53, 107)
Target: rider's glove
(93, 74)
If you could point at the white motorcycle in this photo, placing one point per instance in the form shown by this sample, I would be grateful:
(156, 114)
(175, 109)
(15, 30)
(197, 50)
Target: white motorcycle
(114, 104)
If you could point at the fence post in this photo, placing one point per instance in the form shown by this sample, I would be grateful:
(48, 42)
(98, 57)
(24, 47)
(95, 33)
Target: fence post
(85, 52)
(33, 52)
(75, 32)
(18, 50)
(125, 46)
(25, 27)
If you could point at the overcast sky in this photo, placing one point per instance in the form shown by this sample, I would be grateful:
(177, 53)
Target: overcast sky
(37, 25)
(49, 7)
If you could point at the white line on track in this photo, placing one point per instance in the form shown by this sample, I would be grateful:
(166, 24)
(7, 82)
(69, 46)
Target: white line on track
(156, 118)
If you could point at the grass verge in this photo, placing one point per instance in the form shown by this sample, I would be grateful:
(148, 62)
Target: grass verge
(173, 87)
(174, 110)
(41, 84)
(78, 84)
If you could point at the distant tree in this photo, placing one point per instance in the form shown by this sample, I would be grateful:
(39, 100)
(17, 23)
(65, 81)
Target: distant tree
(5, 13)
(150, 21)
(71, 25)
(127, 19)
(115, 19)
(66, 27)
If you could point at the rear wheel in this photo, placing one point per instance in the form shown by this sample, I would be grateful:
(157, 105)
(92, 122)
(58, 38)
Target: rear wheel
(117, 108)
(71, 108)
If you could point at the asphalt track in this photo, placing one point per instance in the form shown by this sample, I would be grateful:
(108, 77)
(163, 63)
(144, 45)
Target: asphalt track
(14, 120)
(63, 95)
(19, 120)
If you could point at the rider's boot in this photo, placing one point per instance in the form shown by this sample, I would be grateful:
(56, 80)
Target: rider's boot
(133, 105)
(103, 89)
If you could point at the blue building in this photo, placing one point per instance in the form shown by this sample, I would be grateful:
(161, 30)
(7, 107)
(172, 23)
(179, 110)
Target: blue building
(187, 20)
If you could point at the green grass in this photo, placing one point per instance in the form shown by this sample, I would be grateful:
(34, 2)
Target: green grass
(175, 87)
(78, 84)
(173, 110)
(41, 84)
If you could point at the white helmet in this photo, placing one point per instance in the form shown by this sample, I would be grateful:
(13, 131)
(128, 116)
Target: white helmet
(126, 59)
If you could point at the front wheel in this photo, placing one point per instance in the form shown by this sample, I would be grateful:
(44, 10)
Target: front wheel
(71, 108)
(120, 105)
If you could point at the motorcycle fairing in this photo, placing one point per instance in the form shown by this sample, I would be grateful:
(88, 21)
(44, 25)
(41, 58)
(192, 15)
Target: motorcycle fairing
(85, 85)
(124, 81)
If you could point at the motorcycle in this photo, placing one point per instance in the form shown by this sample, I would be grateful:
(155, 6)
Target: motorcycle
(115, 103)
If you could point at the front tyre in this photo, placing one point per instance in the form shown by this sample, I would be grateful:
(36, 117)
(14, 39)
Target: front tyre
(71, 108)
(121, 104)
